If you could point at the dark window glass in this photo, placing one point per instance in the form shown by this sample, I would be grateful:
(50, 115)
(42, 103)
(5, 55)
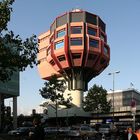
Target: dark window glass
(61, 58)
(102, 61)
(92, 31)
(59, 45)
(76, 30)
(61, 20)
(101, 25)
(76, 55)
(39, 40)
(76, 17)
(61, 33)
(102, 37)
(93, 43)
(105, 50)
(90, 18)
(92, 57)
(52, 62)
(76, 41)
(52, 27)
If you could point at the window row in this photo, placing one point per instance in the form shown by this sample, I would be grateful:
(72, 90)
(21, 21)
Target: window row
(77, 42)
(74, 30)
(77, 30)
(73, 42)
(74, 56)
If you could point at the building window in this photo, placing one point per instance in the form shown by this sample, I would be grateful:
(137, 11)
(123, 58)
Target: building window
(92, 31)
(105, 50)
(61, 58)
(52, 62)
(76, 30)
(92, 57)
(102, 37)
(61, 33)
(102, 61)
(59, 45)
(93, 43)
(76, 41)
(76, 55)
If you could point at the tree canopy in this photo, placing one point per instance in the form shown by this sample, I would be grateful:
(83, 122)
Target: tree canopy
(96, 100)
(15, 54)
(54, 89)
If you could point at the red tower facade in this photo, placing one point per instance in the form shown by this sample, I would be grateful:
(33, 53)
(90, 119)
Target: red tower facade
(75, 48)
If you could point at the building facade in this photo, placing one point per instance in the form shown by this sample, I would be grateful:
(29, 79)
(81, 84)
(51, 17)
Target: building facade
(9, 89)
(75, 48)
(123, 99)
(126, 107)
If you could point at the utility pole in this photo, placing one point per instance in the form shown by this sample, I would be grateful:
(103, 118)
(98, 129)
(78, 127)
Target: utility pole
(113, 74)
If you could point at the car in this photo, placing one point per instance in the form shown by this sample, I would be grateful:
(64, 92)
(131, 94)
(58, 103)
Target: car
(22, 131)
(50, 130)
(82, 131)
(105, 129)
(13, 132)
(74, 131)
(64, 131)
(87, 131)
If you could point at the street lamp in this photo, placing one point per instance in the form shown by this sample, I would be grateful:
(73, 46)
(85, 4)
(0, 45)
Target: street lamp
(113, 74)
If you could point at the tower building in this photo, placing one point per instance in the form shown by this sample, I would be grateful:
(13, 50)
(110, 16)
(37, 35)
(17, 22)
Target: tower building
(75, 48)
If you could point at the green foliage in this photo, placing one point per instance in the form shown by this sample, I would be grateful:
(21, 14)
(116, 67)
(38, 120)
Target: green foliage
(5, 12)
(96, 100)
(54, 89)
(15, 54)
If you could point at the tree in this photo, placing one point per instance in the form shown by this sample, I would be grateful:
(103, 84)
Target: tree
(96, 100)
(53, 90)
(15, 54)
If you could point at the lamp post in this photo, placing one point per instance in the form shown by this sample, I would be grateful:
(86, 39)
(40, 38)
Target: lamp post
(133, 107)
(113, 74)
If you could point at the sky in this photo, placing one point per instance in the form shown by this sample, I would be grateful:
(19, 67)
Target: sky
(122, 18)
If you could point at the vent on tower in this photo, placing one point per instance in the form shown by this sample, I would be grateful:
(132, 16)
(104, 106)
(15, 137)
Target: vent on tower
(76, 10)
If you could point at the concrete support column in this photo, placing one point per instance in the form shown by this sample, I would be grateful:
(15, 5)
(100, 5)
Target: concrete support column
(77, 97)
(15, 112)
(0, 109)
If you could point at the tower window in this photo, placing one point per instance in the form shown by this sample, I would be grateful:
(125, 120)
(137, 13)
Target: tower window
(61, 33)
(102, 61)
(93, 43)
(92, 57)
(92, 31)
(52, 62)
(105, 50)
(76, 30)
(102, 37)
(59, 45)
(61, 58)
(76, 55)
(76, 41)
